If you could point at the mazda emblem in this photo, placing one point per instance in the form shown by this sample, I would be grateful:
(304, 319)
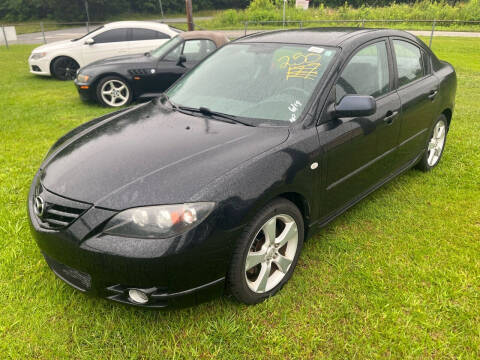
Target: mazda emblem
(39, 206)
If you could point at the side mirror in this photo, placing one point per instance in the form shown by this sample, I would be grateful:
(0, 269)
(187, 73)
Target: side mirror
(89, 41)
(355, 106)
(181, 60)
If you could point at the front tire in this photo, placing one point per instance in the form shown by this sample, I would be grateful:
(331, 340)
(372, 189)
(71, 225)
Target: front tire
(266, 254)
(113, 91)
(64, 68)
(435, 146)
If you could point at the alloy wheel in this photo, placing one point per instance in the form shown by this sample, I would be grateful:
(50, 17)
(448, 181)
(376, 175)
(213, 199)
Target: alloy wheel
(115, 93)
(271, 253)
(66, 68)
(436, 143)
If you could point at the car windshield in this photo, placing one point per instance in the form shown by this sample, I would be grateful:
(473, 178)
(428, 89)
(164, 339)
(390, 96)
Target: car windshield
(89, 33)
(166, 47)
(261, 81)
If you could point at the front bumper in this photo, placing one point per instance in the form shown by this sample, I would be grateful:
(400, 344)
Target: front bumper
(86, 91)
(39, 66)
(190, 266)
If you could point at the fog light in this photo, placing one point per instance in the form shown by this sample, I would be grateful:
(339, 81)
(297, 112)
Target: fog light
(137, 296)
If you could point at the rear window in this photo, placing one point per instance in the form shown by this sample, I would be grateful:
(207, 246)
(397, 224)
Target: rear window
(139, 34)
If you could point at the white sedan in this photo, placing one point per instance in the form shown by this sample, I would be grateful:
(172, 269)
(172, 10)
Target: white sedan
(62, 58)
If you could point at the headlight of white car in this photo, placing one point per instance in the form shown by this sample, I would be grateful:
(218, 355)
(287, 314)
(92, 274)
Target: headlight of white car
(82, 78)
(154, 222)
(36, 56)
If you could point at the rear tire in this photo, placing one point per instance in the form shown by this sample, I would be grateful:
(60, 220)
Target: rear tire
(435, 145)
(266, 253)
(64, 68)
(113, 91)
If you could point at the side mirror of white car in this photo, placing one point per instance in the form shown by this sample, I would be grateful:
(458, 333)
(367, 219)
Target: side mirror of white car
(89, 42)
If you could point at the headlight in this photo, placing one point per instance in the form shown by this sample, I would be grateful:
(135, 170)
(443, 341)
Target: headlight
(83, 78)
(36, 56)
(153, 222)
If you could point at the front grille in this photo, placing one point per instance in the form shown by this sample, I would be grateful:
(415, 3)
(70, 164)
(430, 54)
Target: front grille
(60, 216)
(57, 212)
(79, 280)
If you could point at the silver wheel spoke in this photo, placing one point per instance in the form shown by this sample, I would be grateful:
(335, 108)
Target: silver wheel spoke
(269, 230)
(282, 262)
(259, 275)
(254, 258)
(289, 232)
(431, 145)
(262, 280)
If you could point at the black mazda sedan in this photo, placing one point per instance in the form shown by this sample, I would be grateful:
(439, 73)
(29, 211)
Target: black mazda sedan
(216, 184)
(119, 80)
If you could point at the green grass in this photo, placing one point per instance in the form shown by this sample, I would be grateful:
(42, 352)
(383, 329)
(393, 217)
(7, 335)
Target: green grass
(397, 276)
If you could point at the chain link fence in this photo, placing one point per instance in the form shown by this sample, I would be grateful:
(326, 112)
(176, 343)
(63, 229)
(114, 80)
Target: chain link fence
(45, 32)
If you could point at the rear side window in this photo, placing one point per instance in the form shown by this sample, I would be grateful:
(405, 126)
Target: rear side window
(410, 62)
(366, 73)
(147, 34)
(109, 36)
(196, 50)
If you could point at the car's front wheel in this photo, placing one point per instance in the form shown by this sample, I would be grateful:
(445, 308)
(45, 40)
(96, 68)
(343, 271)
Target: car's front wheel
(64, 68)
(267, 252)
(435, 145)
(113, 91)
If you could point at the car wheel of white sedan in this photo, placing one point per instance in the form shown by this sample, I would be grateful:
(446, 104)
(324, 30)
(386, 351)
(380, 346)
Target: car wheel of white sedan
(267, 252)
(113, 91)
(64, 68)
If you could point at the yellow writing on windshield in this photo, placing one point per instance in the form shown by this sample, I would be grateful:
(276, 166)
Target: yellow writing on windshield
(301, 65)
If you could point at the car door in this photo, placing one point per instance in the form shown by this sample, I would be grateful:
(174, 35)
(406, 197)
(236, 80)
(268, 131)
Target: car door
(359, 151)
(143, 40)
(169, 69)
(109, 43)
(417, 88)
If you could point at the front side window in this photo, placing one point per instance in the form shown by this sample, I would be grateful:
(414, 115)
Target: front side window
(366, 73)
(266, 82)
(109, 36)
(196, 50)
(147, 34)
(166, 47)
(410, 62)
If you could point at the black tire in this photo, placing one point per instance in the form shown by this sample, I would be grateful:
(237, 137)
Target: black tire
(126, 93)
(424, 164)
(64, 68)
(237, 275)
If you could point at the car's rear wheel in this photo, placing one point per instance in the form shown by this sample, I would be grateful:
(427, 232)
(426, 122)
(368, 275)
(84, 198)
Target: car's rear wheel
(267, 252)
(64, 68)
(435, 145)
(113, 91)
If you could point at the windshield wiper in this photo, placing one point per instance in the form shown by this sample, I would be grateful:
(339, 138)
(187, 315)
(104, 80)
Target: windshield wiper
(232, 119)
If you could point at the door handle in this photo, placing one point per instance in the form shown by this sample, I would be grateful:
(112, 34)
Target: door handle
(432, 94)
(390, 116)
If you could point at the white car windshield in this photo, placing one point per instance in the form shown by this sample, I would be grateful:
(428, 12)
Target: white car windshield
(259, 81)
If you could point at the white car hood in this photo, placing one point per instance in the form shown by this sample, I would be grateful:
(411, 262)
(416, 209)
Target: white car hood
(57, 45)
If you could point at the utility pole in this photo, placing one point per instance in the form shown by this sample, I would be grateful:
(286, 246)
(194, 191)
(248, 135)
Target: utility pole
(188, 8)
(88, 16)
(284, 5)
(161, 8)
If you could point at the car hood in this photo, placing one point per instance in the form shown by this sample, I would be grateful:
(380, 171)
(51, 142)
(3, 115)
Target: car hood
(57, 45)
(124, 59)
(150, 155)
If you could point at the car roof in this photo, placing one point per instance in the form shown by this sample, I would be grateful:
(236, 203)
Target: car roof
(217, 37)
(327, 36)
(141, 24)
